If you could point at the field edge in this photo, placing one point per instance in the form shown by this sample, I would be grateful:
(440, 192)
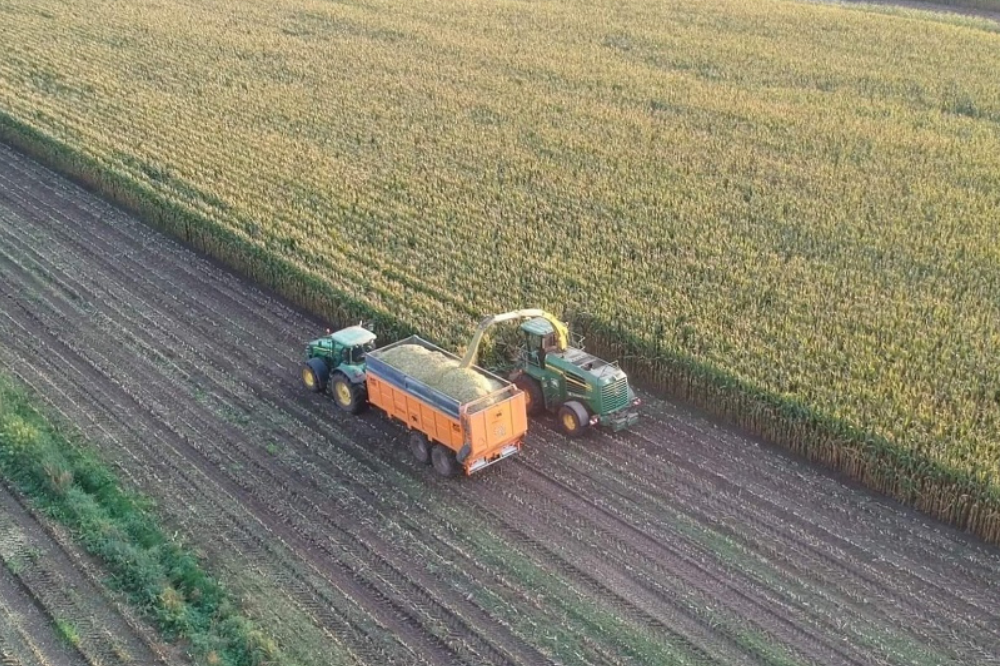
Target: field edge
(944, 493)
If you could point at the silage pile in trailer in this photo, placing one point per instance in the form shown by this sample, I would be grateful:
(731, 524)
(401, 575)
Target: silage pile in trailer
(440, 372)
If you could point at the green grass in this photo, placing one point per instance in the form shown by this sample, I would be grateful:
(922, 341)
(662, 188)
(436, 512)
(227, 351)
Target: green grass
(165, 581)
(67, 631)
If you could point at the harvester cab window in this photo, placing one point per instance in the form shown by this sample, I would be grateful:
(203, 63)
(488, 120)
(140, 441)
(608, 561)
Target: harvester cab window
(538, 349)
(546, 343)
(534, 349)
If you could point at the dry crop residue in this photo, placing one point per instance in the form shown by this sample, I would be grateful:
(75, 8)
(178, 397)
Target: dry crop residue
(440, 372)
(678, 542)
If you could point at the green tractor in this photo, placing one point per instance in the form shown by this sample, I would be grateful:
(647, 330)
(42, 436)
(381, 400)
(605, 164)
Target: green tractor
(337, 360)
(580, 388)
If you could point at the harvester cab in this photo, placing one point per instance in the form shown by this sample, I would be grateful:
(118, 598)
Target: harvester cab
(540, 339)
(337, 360)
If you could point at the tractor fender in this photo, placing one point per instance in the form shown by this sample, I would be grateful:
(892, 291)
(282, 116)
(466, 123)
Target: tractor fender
(354, 375)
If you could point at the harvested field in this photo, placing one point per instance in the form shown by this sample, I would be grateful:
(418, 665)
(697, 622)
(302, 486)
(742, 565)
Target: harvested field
(681, 542)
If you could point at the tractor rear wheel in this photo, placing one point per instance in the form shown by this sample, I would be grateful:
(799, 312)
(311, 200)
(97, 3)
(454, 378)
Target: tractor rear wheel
(573, 418)
(349, 397)
(315, 373)
(420, 447)
(534, 399)
(444, 461)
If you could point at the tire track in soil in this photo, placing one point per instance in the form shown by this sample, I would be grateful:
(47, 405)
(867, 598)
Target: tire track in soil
(641, 496)
(263, 373)
(17, 646)
(657, 561)
(27, 636)
(776, 479)
(775, 519)
(52, 581)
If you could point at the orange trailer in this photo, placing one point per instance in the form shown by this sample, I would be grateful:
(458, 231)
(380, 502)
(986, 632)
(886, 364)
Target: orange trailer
(452, 436)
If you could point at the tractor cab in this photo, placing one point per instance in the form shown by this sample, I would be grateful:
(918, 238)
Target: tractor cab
(355, 343)
(347, 346)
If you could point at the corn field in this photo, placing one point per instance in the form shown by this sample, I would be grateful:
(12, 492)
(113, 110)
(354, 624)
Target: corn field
(785, 211)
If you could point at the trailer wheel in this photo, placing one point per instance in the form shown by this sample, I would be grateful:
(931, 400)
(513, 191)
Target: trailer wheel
(534, 399)
(444, 461)
(315, 373)
(573, 418)
(349, 397)
(420, 447)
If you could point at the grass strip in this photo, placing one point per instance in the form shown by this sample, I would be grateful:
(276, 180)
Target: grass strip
(70, 485)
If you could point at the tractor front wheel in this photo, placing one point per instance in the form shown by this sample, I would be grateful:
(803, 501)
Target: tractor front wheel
(420, 447)
(534, 399)
(444, 461)
(315, 372)
(349, 397)
(573, 418)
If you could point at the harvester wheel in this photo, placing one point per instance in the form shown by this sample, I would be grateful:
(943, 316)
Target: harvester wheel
(534, 399)
(444, 461)
(573, 418)
(349, 397)
(315, 372)
(420, 447)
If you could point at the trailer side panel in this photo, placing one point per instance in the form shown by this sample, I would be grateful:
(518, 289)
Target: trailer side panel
(414, 412)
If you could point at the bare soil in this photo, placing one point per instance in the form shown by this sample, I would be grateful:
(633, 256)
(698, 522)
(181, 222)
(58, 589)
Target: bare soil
(677, 542)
